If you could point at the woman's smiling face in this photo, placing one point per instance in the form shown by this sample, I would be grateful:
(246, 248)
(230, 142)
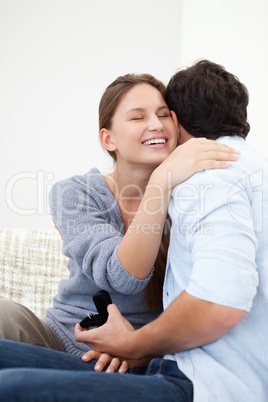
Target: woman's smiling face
(143, 131)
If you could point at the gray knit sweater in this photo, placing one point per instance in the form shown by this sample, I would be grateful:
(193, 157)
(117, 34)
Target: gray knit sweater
(89, 219)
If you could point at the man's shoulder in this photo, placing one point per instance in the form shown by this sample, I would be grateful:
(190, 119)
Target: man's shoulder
(250, 161)
(212, 188)
(248, 154)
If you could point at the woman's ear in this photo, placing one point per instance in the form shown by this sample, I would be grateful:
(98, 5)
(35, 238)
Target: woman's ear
(107, 140)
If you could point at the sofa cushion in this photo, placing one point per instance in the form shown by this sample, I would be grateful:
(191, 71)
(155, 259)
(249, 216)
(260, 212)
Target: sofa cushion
(31, 266)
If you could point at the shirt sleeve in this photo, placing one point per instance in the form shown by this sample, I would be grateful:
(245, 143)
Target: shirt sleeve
(220, 236)
(91, 235)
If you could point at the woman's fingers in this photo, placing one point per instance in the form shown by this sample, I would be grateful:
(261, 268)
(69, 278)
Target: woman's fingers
(215, 160)
(103, 360)
(204, 145)
(124, 367)
(217, 156)
(212, 164)
(211, 145)
(91, 355)
(193, 156)
(208, 143)
(114, 363)
(209, 154)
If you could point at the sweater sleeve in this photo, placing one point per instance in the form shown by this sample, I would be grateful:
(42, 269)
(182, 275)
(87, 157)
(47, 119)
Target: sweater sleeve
(92, 230)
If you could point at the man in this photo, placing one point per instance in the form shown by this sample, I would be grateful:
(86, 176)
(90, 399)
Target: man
(214, 330)
(216, 285)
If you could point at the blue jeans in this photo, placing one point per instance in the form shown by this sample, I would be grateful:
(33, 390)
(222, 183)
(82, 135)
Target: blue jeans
(34, 374)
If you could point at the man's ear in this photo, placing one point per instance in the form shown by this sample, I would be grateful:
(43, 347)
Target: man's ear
(107, 140)
(182, 134)
(175, 119)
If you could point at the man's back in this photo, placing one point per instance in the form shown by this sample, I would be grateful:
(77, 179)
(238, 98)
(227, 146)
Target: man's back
(219, 253)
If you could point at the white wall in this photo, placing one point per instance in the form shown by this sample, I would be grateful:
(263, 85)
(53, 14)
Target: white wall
(233, 33)
(57, 57)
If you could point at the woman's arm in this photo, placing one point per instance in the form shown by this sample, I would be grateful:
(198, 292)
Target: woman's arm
(139, 247)
(88, 217)
(114, 260)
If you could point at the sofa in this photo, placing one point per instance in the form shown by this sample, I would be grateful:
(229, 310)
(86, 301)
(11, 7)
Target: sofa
(31, 266)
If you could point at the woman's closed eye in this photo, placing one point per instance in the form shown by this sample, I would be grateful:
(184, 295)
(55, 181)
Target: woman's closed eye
(137, 118)
(162, 116)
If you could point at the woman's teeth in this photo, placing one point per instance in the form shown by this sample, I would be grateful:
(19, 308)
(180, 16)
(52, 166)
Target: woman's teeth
(155, 141)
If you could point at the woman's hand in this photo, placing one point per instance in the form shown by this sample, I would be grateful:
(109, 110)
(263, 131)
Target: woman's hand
(115, 363)
(193, 156)
(103, 359)
(56, 227)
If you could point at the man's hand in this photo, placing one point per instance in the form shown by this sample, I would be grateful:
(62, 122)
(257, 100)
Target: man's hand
(111, 338)
(187, 323)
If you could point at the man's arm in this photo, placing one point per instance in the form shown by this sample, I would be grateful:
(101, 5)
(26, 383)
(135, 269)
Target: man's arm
(187, 323)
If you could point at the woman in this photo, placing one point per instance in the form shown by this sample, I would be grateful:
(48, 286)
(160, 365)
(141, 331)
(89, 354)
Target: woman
(113, 226)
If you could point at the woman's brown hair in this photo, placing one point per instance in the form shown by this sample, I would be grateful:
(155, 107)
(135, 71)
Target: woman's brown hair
(108, 105)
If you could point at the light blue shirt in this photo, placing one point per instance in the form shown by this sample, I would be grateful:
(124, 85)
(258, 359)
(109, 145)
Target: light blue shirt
(219, 253)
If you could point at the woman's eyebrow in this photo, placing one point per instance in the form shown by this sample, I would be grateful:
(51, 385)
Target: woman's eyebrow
(141, 109)
(163, 107)
(136, 109)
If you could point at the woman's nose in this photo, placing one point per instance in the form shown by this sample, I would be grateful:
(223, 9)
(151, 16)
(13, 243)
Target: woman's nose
(155, 124)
